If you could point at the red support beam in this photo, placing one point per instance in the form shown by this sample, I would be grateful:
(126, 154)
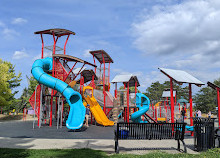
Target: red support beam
(128, 101)
(108, 74)
(71, 71)
(64, 50)
(42, 51)
(115, 90)
(191, 106)
(104, 108)
(218, 101)
(78, 72)
(94, 62)
(172, 100)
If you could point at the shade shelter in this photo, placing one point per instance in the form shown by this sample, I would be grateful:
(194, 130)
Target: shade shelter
(217, 88)
(181, 77)
(128, 81)
(103, 78)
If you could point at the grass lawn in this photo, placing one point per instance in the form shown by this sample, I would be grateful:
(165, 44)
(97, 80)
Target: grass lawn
(89, 153)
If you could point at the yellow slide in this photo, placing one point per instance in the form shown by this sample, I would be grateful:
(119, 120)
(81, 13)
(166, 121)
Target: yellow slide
(95, 108)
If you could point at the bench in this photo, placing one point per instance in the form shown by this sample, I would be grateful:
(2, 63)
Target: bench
(150, 131)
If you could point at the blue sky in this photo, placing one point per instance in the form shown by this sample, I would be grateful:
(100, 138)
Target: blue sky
(139, 35)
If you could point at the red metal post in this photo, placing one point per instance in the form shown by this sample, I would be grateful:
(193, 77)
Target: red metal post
(104, 108)
(94, 63)
(191, 106)
(42, 51)
(108, 74)
(128, 101)
(155, 113)
(218, 100)
(79, 71)
(64, 50)
(171, 100)
(115, 90)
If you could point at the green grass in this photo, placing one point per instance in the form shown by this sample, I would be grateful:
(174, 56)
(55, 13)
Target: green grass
(89, 153)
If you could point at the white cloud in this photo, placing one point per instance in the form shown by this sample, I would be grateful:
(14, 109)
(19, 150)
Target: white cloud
(9, 33)
(19, 55)
(46, 54)
(2, 24)
(19, 21)
(190, 27)
(183, 36)
(86, 53)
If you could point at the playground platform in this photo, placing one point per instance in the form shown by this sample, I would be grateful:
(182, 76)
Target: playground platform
(20, 134)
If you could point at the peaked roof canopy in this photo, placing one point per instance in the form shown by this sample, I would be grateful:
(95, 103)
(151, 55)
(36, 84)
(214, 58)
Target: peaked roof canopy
(100, 54)
(72, 58)
(181, 76)
(125, 79)
(57, 32)
(212, 85)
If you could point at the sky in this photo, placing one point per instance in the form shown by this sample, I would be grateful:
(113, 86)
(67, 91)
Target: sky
(139, 35)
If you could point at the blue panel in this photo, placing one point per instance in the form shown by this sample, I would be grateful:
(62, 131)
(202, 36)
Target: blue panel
(136, 116)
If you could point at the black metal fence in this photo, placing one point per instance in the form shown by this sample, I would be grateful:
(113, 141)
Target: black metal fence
(204, 133)
(150, 131)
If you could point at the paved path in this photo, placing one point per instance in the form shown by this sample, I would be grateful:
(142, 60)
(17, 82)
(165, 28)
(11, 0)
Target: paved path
(107, 145)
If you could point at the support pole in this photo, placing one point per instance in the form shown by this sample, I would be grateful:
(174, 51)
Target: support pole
(104, 108)
(128, 102)
(42, 51)
(218, 100)
(171, 100)
(191, 107)
(64, 51)
(116, 90)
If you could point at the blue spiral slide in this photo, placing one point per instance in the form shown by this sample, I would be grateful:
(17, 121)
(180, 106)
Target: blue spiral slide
(142, 102)
(73, 98)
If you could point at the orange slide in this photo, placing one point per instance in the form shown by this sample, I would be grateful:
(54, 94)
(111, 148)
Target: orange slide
(95, 108)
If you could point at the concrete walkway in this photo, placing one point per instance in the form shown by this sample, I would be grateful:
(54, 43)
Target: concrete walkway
(107, 145)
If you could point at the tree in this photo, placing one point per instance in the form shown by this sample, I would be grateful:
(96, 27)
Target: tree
(155, 91)
(32, 83)
(206, 99)
(8, 81)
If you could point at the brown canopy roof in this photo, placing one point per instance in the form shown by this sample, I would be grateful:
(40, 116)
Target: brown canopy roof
(98, 55)
(57, 32)
(87, 74)
(72, 58)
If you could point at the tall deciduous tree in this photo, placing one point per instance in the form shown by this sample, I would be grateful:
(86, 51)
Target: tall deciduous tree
(155, 91)
(8, 81)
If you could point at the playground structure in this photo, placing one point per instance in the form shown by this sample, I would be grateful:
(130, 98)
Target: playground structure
(54, 74)
(61, 82)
